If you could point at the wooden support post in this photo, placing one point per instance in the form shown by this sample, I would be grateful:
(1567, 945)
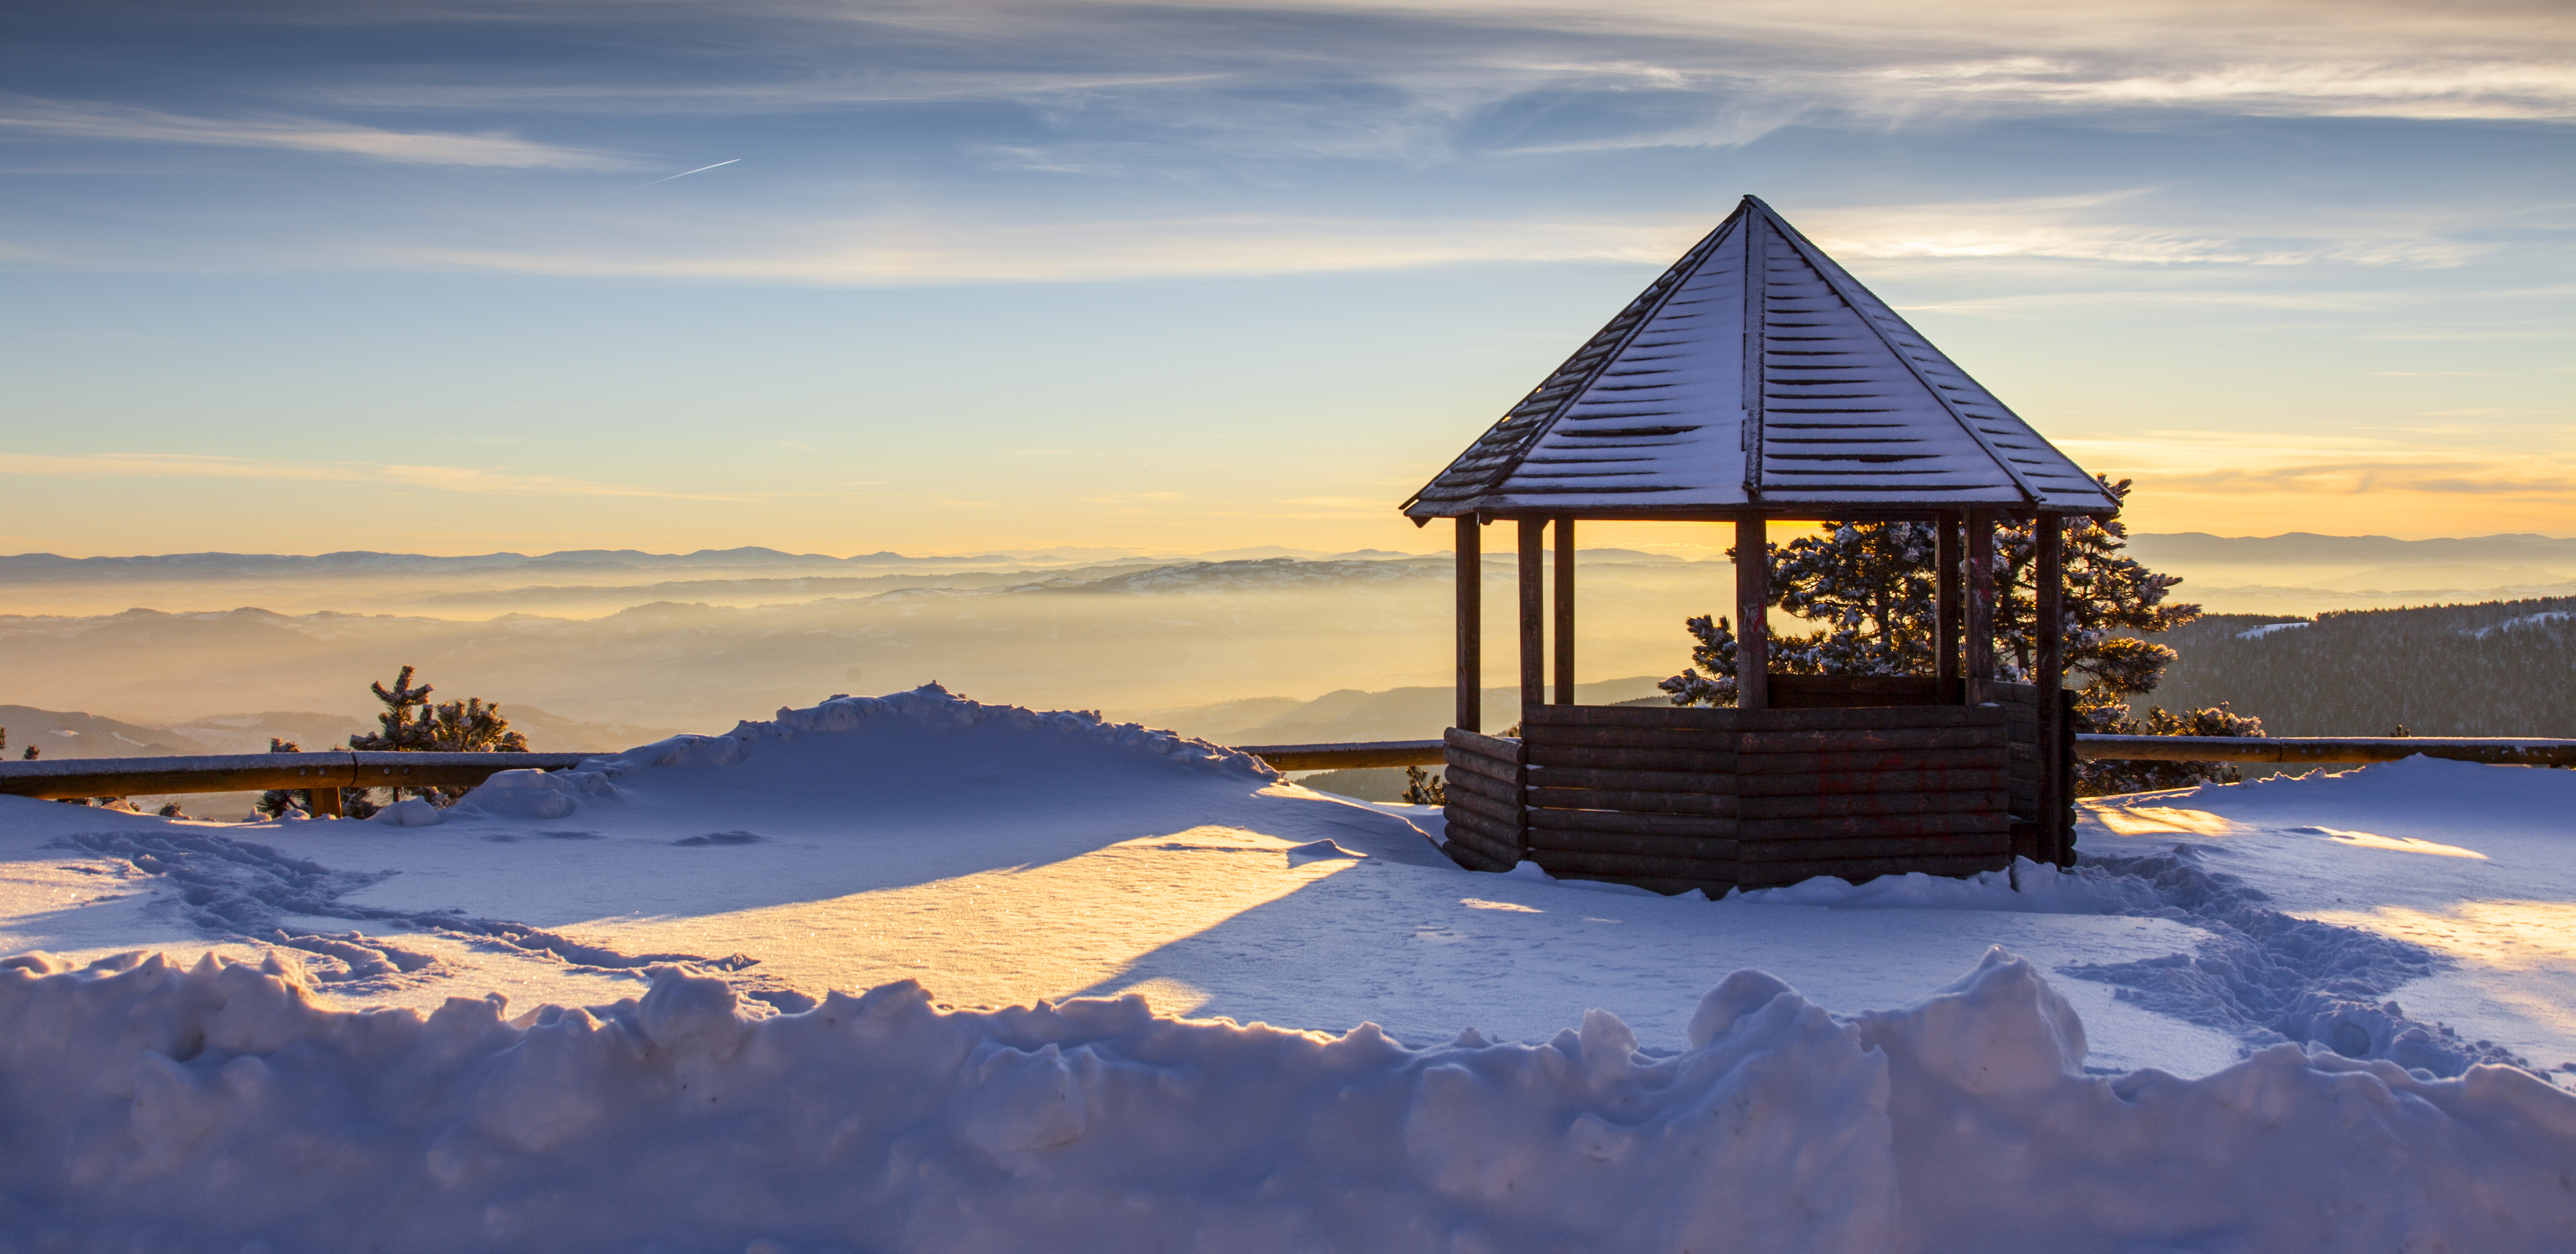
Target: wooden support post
(1471, 624)
(1564, 611)
(1533, 576)
(1945, 597)
(1980, 628)
(2049, 607)
(326, 803)
(1752, 615)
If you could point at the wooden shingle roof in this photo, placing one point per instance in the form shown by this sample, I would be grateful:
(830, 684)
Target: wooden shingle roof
(1801, 395)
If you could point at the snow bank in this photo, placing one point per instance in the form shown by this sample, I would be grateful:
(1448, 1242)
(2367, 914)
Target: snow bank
(906, 750)
(2028, 888)
(2261, 975)
(219, 1107)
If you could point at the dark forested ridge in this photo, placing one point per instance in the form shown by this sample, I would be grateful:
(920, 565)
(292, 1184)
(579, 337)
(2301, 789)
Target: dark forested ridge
(2501, 668)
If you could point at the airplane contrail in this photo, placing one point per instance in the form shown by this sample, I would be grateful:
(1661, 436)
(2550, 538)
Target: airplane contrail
(641, 186)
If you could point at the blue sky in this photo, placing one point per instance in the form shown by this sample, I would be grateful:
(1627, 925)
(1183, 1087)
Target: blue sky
(297, 276)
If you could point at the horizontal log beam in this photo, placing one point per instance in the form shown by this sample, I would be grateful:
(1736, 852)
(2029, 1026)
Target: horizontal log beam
(1981, 758)
(1975, 845)
(1656, 716)
(1494, 790)
(1987, 801)
(1852, 826)
(1554, 860)
(1464, 762)
(1685, 739)
(1638, 802)
(1872, 718)
(1684, 826)
(1861, 739)
(259, 772)
(1722, 784)
(1615, 759)
(1495, 747)
(1470, 857)
(1504, 813)
(1872, 782)
(1504, 854)
(1688, 848)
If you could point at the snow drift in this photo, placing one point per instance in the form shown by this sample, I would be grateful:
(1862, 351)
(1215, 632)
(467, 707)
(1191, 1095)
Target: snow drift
(220, 1107)
(901, 751)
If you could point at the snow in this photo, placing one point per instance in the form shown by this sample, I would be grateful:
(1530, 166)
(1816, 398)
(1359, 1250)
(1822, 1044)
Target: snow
(219, 1106)
(959, 976)
(2474, 865)
(2527, 620)
(2257, 633)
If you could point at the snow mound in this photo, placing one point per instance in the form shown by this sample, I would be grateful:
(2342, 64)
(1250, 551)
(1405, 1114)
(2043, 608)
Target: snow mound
(220, 1107)
(2028, 888)
(865, 740)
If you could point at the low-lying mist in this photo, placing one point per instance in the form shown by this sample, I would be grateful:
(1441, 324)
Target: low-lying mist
(605, 649)
(1128, 639)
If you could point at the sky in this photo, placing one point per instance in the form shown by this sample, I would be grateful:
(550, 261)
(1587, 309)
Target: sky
(452, 277)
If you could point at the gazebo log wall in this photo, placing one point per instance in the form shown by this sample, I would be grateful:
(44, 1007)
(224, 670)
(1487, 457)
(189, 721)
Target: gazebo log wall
(1846, 777)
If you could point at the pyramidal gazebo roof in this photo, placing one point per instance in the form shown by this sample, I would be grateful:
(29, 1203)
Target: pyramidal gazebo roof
(1800, 395)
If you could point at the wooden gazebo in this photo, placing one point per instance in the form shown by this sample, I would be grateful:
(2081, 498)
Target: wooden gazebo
(1757, 380)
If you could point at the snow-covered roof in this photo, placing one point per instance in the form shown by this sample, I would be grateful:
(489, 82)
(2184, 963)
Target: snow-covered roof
(1844, 409)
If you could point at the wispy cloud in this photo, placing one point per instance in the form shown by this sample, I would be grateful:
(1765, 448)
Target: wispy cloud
(460, 479)
(81, 120)
(2121, 226)
(962, 249)
(2214, 463)
(2348, 478)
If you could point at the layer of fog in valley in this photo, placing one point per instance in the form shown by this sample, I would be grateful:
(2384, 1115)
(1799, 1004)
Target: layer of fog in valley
(612, 650)
(603, 649)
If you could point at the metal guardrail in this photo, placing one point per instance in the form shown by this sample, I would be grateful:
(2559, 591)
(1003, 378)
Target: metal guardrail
(2285, 749)
(252, 772)
(1343, 757)
(2321, 749)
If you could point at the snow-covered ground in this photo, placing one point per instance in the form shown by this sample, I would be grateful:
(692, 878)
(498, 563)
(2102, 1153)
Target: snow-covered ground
(1548, 1063)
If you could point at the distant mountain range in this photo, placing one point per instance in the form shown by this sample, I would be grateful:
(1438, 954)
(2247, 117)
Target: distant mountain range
(78, 734)
(36, 566)
(47, 567)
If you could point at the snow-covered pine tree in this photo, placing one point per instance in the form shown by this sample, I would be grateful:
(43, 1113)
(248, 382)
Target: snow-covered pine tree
(1422, 790)
(469, 726)
(401, 731)
(277, 801)
(409, 723)
(2096, 779)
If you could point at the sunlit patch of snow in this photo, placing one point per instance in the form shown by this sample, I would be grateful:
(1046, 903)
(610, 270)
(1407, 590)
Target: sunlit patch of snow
(2395, 844)
(2527, 620)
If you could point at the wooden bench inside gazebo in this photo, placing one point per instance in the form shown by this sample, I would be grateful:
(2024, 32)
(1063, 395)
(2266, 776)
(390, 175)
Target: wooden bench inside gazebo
(1757, 381)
